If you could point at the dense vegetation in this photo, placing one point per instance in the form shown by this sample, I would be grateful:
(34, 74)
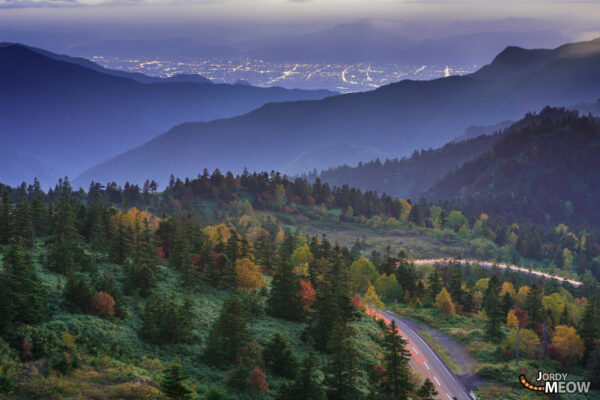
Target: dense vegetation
(544, 171)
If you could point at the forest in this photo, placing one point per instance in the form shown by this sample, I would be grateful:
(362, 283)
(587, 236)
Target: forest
(205, 290)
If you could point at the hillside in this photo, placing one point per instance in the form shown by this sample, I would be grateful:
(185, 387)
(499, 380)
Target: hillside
(408, 177)
(546, 170)
(397, 118)
(70, 117)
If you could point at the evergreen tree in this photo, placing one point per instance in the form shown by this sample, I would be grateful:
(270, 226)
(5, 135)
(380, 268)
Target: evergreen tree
(61, 255)
(79, 292)
(22, 226)
(507, 303)
(589, 328)
(308, 383)
(592, 372)
(435, 283)
(493, 308)
(534, 307)
(397, 383)
(173, 383)
(279, 356)
(284, 300)
(143, 273)
(228, 336)
(427, 391)
(333, 298)
(343, 372)
(22, 298)
(5, 218)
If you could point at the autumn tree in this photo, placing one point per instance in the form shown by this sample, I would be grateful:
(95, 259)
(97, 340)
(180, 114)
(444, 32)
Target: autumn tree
(362, 275)
(372, 299)
(248, 275)
(443, 302)
(103, 304)
(258, 380)
(307, 295)
(524, 341)
(568, 344)
(301, 259)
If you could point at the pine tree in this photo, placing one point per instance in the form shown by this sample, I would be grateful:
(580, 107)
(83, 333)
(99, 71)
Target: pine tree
(22, 227)
(279, 356)
(173, 383)
(435, 283)
(284, 301)
(343, 372)
(79, 292)
(534, 307)
(61, 255)
(228, 336)
(308, 383)
(397, 383)
(493, 308)
(22, 297)
(5, 218)
(427, 391)
(507, 303)
(589, 328)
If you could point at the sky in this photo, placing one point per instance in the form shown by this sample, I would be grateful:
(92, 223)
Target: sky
(240, 18)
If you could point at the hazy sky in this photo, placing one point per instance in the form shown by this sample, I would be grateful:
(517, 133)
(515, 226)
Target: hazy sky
(166, 17)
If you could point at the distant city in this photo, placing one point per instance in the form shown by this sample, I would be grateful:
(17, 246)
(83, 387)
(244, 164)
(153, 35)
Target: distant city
(334, 76)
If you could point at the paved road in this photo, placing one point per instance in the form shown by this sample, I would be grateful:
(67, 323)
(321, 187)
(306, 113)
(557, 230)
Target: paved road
(487, 264)
(426, 362)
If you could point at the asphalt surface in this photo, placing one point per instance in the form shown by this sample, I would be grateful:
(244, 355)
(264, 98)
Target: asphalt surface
(426, 362)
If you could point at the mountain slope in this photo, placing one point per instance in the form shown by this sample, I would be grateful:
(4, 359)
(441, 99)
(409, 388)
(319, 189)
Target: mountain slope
(397, 118)
(84, 62)
(71, 117)
(549, 168)
(408, 177)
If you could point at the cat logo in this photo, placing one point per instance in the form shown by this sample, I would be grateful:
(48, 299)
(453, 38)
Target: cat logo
(555, 383)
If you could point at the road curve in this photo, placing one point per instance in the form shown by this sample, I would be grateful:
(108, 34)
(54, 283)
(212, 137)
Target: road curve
(488, 264)
(425, 361)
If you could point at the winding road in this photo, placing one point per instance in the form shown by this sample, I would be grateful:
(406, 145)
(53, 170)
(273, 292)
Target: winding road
(425, 361)
(488, 264)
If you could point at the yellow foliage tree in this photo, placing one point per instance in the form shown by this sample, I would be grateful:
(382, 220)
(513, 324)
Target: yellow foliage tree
(443, 302)
(372, 299)
(522, 295)
(508, 287)
(362, 274)
(511, 320)
(481, 284)
(529, 342)
(218, 233)
(248, 275)
(568, 344)
(301, 257)
(405, 208)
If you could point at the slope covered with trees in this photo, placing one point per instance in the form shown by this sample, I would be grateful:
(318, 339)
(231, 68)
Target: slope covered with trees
(548, 169)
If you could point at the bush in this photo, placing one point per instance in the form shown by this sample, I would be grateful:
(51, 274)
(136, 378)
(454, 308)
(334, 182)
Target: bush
(134, 391)
(103, 304)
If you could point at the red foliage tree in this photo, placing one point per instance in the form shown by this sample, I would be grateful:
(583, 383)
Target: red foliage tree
(307, 294)
(103, 304)
(258, 380)
(357, 301)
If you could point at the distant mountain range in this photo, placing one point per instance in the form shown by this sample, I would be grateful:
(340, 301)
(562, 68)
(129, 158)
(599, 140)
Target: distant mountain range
(366, 40)
(546, 168)
(67, 114)
(397, 118)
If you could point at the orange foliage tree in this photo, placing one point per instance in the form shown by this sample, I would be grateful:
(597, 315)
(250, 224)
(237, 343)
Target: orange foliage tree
(103, 304)
(308, 294)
